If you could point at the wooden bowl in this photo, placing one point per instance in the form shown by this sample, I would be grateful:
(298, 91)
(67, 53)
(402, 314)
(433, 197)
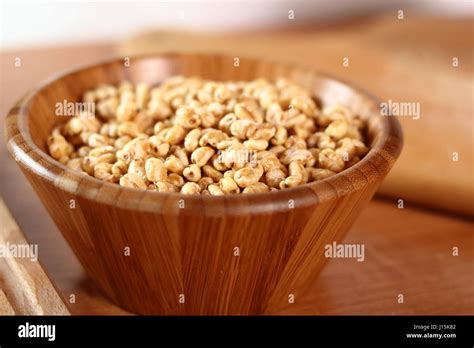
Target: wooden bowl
(166, 253)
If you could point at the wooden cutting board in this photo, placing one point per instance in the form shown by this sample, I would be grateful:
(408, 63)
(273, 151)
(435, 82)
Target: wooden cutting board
(25, 289)
(409, 60)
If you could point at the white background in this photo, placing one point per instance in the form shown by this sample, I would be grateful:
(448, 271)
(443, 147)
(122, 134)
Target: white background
(41, 23)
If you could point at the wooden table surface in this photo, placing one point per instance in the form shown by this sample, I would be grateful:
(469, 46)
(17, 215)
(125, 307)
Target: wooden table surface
(408, 251)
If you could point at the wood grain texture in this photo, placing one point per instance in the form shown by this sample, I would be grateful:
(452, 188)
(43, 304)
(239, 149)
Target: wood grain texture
(190, 251)
(406, 60)
(407, 251)
(25, 288)
(5, 305)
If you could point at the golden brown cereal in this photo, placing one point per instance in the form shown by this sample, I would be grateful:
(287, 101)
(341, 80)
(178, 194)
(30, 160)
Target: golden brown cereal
(119, 143)
(190, 188)
(75, 163)
(155, 170)
(274, 176)
(228, 185)
(258, 168)
(187, 117)
(176, 180)
(105, 91)
(98, 151)
(157, 147)
(274, 114)
(181, 154)
(257, 145)
(135, 148)
(226, 122)
(304, 104)
(305, 129)
(83, 151)
(296, 177)
(133, 180)
(126, 111)
(329, 159)
(97, 140)
(205, 182)
(119, 168)
(159, 109)
(269, 162)
(137, 166)
(212, 172)
(59, 147)
(74, 126)
(108, 107)
(337, 129)
(277, 150)
(239, 128)
(174, 135)
(191, 140)
(312, 162)
(192, 173)
(103, 171)
(194, 136)
(109, 129)
(212, 137)
(215, 190)
(201, 155)
(261, 131)
(174, 164)
(291, 118)
(128, 128)
(106, 158)
(246, 176)
(319, 173)
(218, 163)
(256, 188)
(321, 140)
(165, 187)
(280, 137)
(295, 154)
(247, 111)
(229, 174)
(89, 97)
(208, 120)
(222, 93)
(333, 113)
(88, 164)
(142, 95)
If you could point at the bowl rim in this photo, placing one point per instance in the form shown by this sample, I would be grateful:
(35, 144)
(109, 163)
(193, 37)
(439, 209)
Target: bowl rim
(378, 161)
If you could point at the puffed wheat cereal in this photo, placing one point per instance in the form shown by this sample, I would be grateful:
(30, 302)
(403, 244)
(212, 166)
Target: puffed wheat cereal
(195, 136)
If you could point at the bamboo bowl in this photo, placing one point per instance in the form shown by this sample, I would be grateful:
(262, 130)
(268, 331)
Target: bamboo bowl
(166, 253)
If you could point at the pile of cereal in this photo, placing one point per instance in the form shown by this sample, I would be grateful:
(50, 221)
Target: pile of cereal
(196, 136)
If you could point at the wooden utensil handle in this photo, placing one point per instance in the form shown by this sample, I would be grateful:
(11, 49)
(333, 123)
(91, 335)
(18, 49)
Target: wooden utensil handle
(25, 289)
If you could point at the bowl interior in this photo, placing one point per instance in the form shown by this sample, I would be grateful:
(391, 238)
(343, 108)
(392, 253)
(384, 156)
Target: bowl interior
(30, 124)
(70, 88)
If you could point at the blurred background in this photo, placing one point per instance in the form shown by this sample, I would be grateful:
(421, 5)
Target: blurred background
(36, 23)
(404, 51)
